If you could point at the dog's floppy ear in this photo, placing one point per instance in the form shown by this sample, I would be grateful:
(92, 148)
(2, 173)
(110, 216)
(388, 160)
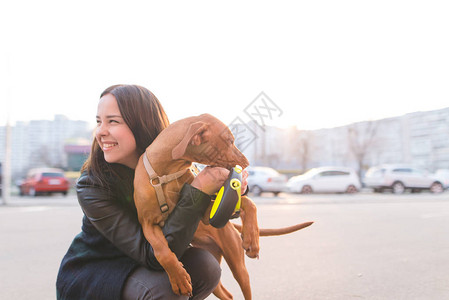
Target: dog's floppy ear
(194, 136)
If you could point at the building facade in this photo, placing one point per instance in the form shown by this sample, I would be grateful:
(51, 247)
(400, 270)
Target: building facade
(420, 139)
(40, 143)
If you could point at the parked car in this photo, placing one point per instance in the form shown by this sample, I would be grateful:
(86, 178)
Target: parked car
(44, 180)
(399, 178)
(265, 179)
(325, 180)
(443, 176)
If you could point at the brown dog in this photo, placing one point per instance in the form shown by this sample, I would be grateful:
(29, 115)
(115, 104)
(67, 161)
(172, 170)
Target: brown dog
(203, 139)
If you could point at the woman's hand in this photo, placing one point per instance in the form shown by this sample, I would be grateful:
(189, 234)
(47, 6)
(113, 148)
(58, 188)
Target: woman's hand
(244, 181)
(210, 180)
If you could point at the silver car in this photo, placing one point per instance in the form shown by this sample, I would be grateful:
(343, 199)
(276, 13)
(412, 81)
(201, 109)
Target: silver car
(264, 179)
(399, 178)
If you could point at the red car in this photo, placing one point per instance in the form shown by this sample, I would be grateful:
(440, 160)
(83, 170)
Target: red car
(44, 181)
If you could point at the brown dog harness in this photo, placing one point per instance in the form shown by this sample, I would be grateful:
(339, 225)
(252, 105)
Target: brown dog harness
(157, 182)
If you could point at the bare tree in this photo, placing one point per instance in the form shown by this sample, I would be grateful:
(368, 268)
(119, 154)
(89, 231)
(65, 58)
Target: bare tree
(302, 148)
(43, 157)
(273, 160)
(361, 137)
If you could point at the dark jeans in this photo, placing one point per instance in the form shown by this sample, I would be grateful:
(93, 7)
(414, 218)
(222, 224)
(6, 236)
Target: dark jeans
(145, 284)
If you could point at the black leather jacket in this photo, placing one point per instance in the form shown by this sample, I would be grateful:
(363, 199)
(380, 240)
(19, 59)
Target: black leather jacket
(112, 243)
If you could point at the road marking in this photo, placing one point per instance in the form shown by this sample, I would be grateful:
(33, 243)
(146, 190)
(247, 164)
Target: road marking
(435, 215)
(10, 210)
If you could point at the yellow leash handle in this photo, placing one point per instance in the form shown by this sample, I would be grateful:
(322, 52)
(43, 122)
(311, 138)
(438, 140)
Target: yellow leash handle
(228, 201)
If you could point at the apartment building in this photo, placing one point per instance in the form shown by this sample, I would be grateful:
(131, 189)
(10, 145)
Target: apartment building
(420, 139)
(40, 143)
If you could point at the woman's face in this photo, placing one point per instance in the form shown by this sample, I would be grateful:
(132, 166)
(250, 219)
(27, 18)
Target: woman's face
(113, 134)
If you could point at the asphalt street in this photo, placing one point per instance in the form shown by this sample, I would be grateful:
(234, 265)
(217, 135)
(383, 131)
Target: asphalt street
(362, 246)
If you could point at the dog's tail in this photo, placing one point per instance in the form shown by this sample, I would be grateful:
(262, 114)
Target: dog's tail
(277, 231)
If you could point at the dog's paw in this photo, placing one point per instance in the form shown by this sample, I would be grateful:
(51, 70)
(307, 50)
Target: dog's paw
(250, 245)
(180, 280)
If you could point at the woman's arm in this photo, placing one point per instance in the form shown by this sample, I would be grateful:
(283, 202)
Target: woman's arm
(123, 229)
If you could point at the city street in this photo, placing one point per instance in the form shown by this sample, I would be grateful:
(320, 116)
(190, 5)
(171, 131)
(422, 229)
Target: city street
(361, 246)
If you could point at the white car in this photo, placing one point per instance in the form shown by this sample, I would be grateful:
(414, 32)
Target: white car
(443, 176)
(399, 178)
(325, 180)
(264, 179)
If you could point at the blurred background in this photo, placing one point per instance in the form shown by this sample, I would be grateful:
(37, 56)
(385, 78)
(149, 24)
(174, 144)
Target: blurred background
(303, 85)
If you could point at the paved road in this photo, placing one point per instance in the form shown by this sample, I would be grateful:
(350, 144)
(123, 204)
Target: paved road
(361, 246)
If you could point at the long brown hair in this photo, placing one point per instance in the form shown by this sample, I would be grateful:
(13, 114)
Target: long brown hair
(144, 115)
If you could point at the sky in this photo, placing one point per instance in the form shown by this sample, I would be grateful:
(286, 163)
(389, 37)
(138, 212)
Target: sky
(320, 63)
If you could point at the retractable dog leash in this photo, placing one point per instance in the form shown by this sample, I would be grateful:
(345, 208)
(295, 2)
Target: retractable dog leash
(228, 200)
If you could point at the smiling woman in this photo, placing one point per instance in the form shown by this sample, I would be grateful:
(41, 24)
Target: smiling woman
(113, 135)
(129, 118)
(110, 258)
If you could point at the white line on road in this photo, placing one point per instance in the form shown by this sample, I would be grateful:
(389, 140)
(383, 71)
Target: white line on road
(435, 215)
(12, 210)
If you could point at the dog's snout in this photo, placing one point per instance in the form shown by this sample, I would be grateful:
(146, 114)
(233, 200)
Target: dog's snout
(245, 163)
(240, 159)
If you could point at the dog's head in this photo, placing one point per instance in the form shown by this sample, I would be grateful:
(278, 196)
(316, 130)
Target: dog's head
(210, 142)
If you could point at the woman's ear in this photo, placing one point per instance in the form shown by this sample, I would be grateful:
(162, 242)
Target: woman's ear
(194, 136)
